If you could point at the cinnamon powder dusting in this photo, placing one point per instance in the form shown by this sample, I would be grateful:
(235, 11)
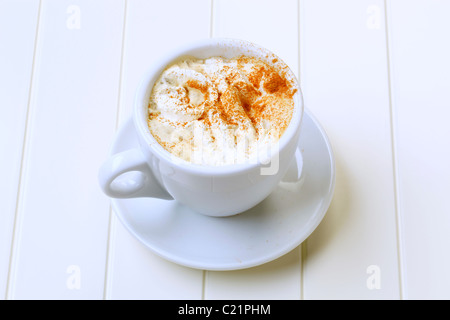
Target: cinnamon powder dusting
(245, 93)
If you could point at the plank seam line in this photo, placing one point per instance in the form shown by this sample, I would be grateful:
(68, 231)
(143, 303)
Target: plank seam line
(211, 35)
(394, 154)
(16, 223)
(211, 25)
(109, 245)
(303, 245)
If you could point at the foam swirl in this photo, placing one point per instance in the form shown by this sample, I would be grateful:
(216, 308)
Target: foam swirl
(216, 111)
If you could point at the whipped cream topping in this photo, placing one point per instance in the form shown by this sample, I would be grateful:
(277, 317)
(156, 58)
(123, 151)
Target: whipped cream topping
(219, 111)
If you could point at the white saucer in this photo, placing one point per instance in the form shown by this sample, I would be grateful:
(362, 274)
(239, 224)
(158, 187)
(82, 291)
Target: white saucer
(271, 229)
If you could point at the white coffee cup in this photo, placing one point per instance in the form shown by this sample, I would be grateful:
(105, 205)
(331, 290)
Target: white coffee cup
(211, 190)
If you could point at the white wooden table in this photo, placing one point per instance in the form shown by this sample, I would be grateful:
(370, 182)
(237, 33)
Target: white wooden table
(376, 74)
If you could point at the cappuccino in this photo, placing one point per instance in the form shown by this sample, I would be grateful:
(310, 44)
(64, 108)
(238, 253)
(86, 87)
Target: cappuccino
(220, 111)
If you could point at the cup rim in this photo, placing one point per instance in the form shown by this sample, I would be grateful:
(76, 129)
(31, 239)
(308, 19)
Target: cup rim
(155, 70)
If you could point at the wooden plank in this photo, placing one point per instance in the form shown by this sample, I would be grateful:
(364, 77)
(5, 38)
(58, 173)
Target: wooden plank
(276, 28)
(420, 79)
(136, 273)
(164, 25)
(176, 22)
(276, 280)
(353, 253)
(61, 232)
(270, 24)
(18, 22)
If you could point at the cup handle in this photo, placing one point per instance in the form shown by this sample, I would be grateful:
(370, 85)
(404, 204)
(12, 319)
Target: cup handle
(295, 171)
(127, 175)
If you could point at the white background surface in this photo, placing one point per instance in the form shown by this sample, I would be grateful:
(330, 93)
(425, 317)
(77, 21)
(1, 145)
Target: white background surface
(376, 74)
